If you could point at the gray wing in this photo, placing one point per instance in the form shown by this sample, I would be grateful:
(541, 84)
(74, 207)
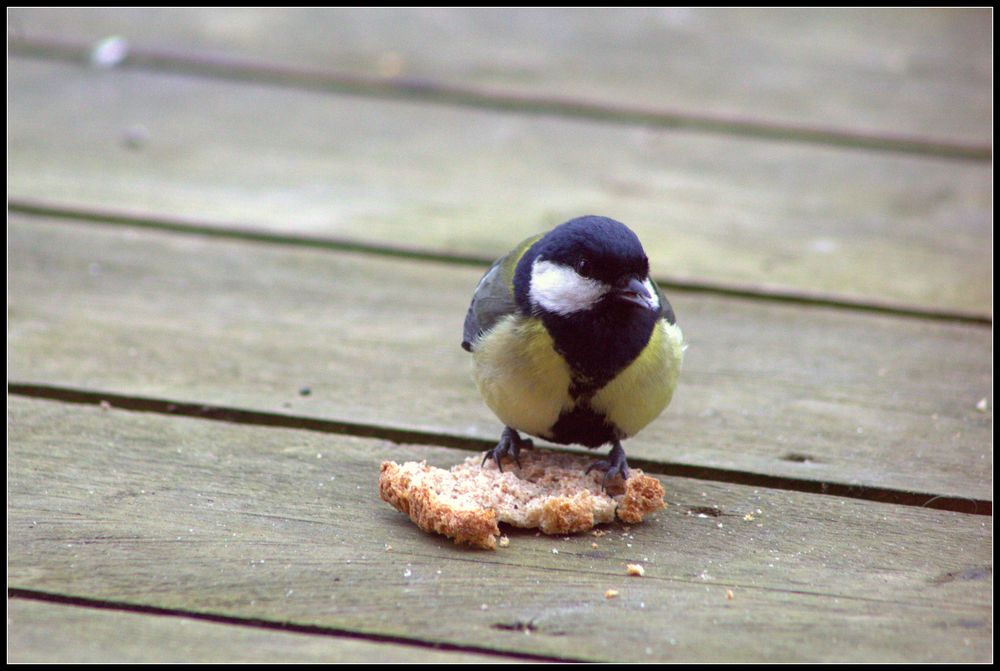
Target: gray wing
(492, 301)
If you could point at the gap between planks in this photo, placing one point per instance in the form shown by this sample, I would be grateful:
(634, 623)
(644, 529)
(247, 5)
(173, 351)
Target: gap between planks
(278, 420)
(245, 70)
(291, 627)
(732, 290)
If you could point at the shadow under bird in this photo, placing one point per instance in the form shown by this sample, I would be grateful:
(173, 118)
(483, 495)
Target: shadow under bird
(573, 342)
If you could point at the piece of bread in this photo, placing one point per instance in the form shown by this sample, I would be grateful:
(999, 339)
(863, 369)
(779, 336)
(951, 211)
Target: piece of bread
(550, 491)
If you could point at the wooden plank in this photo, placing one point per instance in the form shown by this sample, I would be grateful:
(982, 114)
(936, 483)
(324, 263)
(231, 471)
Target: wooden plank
(872, 70)
(46, 633)
(286, 526)
(863, 226)
(819, 394)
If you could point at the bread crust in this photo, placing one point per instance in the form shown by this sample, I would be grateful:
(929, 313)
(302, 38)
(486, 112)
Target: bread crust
(549, 492)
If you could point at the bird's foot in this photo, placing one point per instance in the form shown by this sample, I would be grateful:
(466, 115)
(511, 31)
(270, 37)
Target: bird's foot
(510, 444)
(615, 464)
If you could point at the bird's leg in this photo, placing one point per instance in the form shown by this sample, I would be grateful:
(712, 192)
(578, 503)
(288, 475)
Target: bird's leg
(510, 443)
(615, 464)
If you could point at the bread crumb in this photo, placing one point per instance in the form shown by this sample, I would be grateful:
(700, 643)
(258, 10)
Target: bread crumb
(388, 547)
(391, 64)
(504, 541)
(981, 406)
(635, 569)
(611, 594)
(748, 517)
(598, 532)
(554, 551)
(593, 545)
(729, 594)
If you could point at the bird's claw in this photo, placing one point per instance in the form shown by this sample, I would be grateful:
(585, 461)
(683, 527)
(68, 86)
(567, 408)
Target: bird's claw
(614, 465)
(510, 444)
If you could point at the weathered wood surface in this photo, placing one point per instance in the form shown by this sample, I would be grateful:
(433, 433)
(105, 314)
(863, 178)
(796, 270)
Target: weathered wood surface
(865, 226)
(46, 633)
(810, 393)
(282, 529)
(887, 71)
(285, 526)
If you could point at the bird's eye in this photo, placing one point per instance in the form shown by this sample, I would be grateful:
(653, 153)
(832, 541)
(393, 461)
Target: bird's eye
(583, 267)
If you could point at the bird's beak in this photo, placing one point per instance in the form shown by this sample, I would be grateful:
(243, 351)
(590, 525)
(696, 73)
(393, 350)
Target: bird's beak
(636, 292)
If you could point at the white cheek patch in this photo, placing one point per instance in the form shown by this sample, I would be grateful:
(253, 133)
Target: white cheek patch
(654, 300)
(560, 289)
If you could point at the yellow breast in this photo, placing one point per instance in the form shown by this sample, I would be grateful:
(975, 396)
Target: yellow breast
(637, 395)
(520, 376)
(526, 383)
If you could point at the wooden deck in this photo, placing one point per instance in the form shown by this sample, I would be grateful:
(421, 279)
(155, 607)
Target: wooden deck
(238, 262)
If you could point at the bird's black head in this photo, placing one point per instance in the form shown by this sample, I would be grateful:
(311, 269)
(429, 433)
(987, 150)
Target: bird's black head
(587, 264)
(588, 280)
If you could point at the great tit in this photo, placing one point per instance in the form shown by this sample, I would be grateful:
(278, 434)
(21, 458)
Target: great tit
(573, 342)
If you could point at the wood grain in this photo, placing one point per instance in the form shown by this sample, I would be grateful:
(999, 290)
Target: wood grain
(858, 225)
(286, 526)
(265, 543)
(888, 71)
(811, 393)
(39, 632)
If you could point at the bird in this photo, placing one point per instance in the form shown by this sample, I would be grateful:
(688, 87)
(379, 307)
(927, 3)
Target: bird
(573, 342)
